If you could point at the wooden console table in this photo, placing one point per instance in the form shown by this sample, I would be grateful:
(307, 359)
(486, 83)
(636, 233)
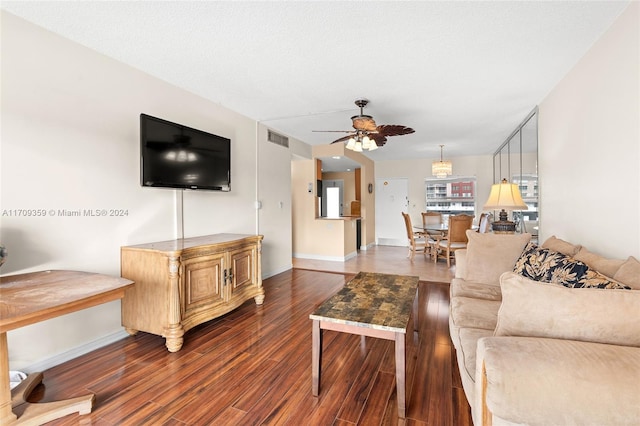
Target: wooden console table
(185, 282)
(30, 298)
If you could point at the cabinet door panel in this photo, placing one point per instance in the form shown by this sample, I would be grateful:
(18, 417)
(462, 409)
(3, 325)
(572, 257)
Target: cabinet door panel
(203, 282)
(243, 267)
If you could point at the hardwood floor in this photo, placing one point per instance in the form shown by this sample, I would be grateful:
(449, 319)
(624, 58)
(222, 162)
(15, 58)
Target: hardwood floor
(386, 260)
(253, 366)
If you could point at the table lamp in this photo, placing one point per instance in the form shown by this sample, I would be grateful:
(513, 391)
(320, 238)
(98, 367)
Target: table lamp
(504, 196)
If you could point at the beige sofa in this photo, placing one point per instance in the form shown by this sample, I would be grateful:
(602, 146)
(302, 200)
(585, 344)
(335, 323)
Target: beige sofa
(531, 347)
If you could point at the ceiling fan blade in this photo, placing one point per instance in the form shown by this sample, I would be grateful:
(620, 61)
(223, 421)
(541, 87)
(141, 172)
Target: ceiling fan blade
(333, 131)
(380, 139)
(342, 139)
(364, 123)
(394, 130)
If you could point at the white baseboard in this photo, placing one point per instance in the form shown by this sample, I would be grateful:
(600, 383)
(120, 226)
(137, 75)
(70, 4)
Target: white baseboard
(329, 258)
(391, 242)
(367, 247)
(50, 362)
(277, 271)
(351, 255)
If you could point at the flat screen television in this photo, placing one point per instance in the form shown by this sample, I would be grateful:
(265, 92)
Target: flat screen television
(177, 156)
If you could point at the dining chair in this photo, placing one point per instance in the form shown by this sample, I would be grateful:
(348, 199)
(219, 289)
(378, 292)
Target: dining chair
(432, 236)
(431, 218)
(417, 241)
(456, 237)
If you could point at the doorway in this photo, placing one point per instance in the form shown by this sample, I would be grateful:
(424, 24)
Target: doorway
(392, 199)
(332, 198)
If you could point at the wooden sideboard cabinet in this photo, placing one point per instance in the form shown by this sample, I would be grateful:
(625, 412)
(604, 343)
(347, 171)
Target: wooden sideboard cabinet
(185, 282)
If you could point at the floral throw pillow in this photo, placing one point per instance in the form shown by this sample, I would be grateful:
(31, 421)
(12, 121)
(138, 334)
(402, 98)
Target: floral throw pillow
(530, 263)
(548, 266)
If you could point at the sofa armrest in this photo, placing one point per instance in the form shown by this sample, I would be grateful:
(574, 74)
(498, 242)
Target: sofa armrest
(536, 381)
(461, 263)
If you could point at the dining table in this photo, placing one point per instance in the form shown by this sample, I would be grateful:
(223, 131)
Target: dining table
(436, 229)
(442, 227)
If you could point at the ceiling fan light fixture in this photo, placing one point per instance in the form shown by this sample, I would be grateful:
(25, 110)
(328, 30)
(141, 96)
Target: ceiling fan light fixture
(361, 142)
(366, 142)
(441, 169)
(365, 125)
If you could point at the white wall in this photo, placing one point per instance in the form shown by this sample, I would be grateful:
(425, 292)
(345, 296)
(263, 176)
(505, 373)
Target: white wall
(589, 138)
(70, 140)
(274, 193)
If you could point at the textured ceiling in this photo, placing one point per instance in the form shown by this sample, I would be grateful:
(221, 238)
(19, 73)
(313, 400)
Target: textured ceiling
(462, 74)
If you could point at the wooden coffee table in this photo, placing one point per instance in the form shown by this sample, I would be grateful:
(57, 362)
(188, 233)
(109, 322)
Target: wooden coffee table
(372, 305)
(30, 298)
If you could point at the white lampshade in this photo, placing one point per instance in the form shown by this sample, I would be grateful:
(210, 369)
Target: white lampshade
(505, 195)
(361, 143)
(366, 142)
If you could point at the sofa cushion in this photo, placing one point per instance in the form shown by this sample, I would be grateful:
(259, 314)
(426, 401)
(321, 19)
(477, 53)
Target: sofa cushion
(536, 309)
(629, 273)
(467, 348)
(461, 263)
(561, 246)
(489, 255)
(538, 381)
(474, 313)
(464, 288)
(606, 266)
(545, 265)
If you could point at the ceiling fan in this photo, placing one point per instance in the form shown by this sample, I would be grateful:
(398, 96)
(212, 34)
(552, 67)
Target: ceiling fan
(367, 135)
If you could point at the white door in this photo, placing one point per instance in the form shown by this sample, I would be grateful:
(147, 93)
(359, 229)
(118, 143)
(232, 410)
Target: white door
(392, 198)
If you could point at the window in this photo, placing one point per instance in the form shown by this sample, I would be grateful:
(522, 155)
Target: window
(451, 196)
